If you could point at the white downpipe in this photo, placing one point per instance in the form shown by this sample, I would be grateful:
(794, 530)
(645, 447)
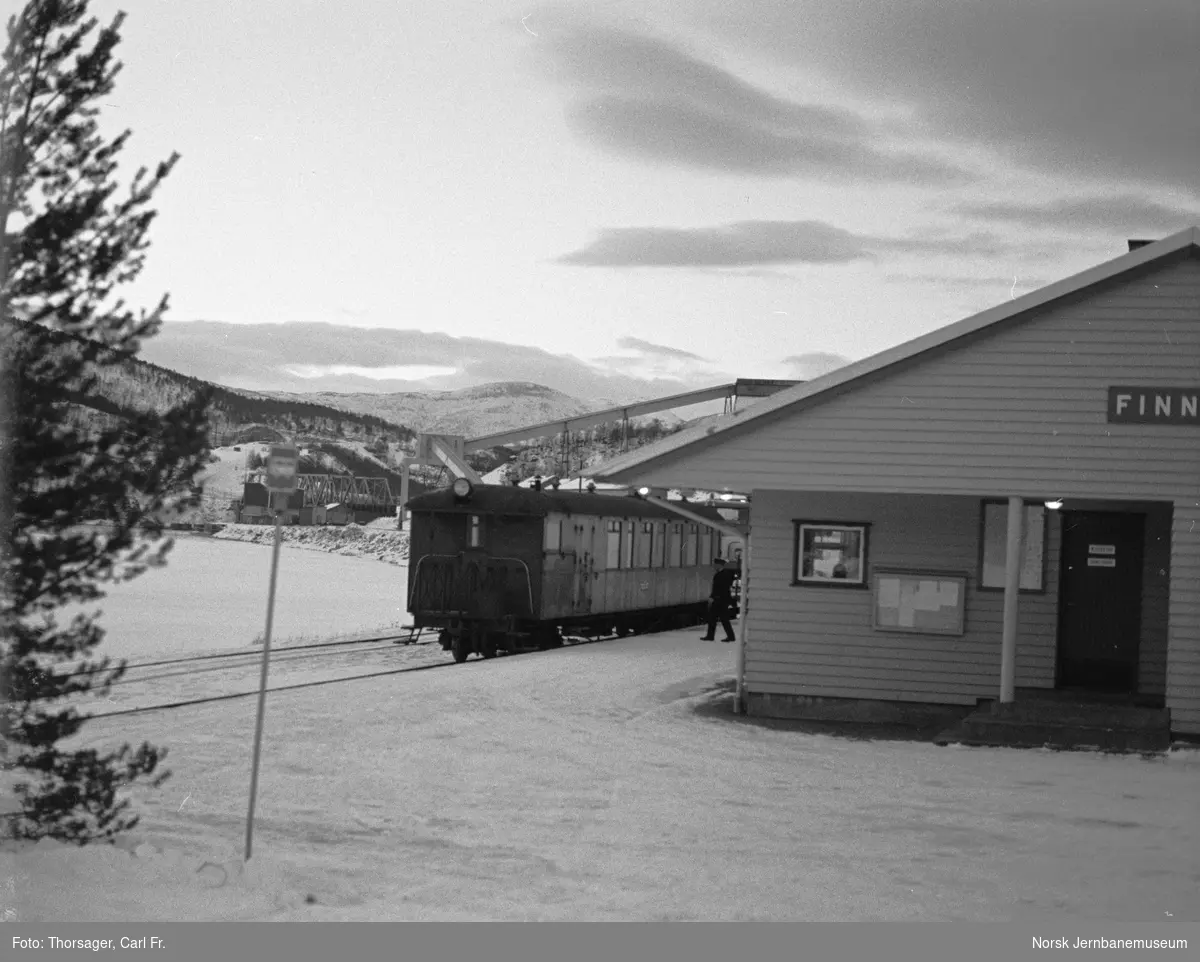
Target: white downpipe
(1015, 551)
(738, 702)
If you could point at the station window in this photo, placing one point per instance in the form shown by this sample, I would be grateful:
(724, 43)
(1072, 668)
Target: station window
(675, 546)
(613, 559)
(627, 545)
(994, 548)
(690, 539)
(832, 554)
(658, 545)
(553, 537)
(475, 531)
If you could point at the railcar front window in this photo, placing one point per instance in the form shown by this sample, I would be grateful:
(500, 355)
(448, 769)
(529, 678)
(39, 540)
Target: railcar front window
(553, 539)
(660, 543)
(627, 545)
(475, 531)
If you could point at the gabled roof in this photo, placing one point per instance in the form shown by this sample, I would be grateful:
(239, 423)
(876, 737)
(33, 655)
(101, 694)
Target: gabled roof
(626, 467)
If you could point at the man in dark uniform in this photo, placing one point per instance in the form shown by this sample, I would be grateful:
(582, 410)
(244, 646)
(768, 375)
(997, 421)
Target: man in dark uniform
(720, 601)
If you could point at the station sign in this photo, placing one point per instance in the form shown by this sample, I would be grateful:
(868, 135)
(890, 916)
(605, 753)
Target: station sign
(1154, 405)
(283, 462)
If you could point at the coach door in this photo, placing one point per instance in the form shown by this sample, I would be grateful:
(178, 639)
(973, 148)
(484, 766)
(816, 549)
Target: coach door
(1100, 605)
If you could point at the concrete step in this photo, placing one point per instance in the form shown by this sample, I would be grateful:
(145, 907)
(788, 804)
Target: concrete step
(1081, 714)
(983, 728)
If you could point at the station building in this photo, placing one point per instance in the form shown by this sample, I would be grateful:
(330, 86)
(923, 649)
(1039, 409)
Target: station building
(1002, 510)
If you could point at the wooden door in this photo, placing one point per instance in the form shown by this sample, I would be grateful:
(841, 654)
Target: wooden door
(1100, 601)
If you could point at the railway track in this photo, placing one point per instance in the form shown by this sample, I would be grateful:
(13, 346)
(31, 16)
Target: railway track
(302, 654)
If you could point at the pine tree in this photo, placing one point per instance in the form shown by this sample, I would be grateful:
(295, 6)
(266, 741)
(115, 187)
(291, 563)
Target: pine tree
(67, 241)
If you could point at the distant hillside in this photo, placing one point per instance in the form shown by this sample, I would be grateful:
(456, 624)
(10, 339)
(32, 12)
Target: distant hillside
(362, 434)
(471, 411)
(234, 416)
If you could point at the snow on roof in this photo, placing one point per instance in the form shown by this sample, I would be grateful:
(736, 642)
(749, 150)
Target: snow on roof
(623, 466)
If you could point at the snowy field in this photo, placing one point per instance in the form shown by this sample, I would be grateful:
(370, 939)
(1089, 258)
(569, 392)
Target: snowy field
(212, 595)
(609, 782)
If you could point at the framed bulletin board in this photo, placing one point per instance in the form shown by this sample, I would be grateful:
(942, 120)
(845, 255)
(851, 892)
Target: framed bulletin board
(920, 602)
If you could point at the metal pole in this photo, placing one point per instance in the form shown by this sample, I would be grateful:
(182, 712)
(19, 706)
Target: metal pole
(262, 683)
(1014, 558)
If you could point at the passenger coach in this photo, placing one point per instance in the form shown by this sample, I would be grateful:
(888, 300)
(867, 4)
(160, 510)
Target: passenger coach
(505, 568)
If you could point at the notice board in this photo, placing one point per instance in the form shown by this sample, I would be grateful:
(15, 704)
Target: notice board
(921, 602)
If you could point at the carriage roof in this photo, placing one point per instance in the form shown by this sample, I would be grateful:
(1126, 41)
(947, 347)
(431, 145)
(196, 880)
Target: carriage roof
(509, 500)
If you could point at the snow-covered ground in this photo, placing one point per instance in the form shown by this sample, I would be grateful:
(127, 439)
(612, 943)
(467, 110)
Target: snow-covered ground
(379, 540)
(609, 781)
(212, 595)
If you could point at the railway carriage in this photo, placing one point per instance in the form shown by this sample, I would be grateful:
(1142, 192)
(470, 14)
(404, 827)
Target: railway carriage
(507, 568)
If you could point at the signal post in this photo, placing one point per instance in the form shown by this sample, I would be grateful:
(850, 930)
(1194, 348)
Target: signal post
(282, 464)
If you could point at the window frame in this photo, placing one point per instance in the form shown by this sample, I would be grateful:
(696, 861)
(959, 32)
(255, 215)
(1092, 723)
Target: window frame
(690, 547)
(863, 528)
(612, 527)
(1043, 530)
(658, 545)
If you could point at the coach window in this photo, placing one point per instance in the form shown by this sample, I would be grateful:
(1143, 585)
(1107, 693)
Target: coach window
(675, 546)
(645, 542)
(613, 559)
(475, 531)
(660, 545)
(627, 545)
(689, 545)
(553, 539)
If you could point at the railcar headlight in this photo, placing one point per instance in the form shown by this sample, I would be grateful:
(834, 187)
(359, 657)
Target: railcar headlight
(644, 492)
(461, 488)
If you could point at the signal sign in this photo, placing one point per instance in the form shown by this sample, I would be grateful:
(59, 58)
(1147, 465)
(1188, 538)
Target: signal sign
(282, 464)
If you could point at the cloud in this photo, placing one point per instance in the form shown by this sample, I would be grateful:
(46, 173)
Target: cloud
(309, 357)
(1119, 214)
(1099, 88)
(756, 242)
(646, 347)
(645, 98)
(1022, 282)
(806, 367)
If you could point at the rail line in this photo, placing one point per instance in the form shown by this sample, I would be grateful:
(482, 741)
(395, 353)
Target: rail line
(223, 655)
(315, 684)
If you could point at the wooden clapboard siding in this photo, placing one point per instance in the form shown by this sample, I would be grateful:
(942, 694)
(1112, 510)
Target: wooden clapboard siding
(1021, 410)
(819, 641)
(1156, 595)
(1183, 647)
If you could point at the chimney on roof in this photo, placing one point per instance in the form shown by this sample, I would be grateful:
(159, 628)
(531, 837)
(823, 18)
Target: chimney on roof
(1135, 244)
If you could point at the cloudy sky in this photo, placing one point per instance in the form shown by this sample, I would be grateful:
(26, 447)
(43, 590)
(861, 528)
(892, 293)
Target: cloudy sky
(663, 188)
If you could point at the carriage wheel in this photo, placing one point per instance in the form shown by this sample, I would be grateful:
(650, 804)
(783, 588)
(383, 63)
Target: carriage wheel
(459, 647)
(487, 644)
